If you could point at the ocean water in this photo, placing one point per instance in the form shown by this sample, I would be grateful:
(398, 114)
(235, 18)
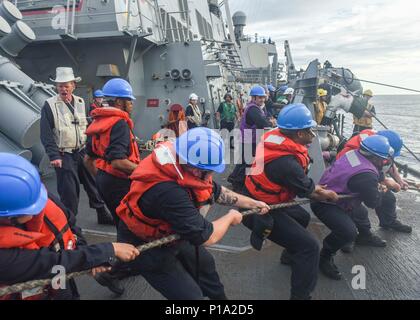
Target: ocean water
(402, 114)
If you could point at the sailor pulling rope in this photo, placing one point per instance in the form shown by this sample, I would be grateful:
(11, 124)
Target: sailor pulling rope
(19, 287)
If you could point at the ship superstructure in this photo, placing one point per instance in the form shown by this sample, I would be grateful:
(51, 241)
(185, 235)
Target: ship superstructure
(167, 49)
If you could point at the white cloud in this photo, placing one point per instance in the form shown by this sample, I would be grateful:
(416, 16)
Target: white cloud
(378, 40)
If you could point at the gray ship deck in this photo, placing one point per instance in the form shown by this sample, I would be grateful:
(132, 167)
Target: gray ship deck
(391, 273)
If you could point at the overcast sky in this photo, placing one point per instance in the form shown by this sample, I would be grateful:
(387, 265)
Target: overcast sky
(378, 40)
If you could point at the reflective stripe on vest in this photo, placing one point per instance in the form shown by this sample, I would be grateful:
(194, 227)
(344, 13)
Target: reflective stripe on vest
(275, 139)
(353, 159)
(69, 129)
(363, 136)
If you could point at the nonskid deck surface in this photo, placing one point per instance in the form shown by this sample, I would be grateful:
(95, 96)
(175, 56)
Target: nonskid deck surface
(391, 273)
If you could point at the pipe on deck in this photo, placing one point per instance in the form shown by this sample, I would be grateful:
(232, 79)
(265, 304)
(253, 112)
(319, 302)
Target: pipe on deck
(18, 120)
(40, 158)
(9, 71)
(6, 145)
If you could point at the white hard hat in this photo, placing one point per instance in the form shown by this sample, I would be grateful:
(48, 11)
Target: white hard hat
(193, 96)
(289, 91)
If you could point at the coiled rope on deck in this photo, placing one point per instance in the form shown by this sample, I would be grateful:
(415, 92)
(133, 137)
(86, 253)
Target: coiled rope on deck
(19, 287)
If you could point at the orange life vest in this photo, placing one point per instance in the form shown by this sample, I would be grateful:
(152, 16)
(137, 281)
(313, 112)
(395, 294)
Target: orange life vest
(157, 168)
(49, 229)
(100, 130)
(354, 143)
(274, 145)
(177, 121)
(240, 106)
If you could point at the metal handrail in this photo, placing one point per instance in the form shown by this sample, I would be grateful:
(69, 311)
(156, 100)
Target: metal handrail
(127, 26)
(28, 18)
(15, 89)
(67, 16)
(80, 15)
(73, 17)
(27, 1)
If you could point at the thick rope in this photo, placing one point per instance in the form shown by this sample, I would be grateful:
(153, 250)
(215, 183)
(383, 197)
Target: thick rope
(19, 287)
(384, 84)
(386, 128)
(413, 184)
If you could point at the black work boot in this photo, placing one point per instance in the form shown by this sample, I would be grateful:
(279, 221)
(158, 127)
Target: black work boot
(328, 267)
(348, 247)
(370, 240)
(104, 217)
(397, 226)
(111, 282)
(286, 258)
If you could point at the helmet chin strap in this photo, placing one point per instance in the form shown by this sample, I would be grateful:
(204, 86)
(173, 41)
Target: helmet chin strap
(204, 175)
(387, 167)
(11, 221)
(173, 161)
(370, 155)
(366, 153)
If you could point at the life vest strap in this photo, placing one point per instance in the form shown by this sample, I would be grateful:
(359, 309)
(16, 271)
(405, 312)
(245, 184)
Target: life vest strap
(259, 187)
(137, 217)
(57, 233)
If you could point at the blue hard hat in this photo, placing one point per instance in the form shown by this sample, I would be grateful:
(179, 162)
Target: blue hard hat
(118, 88)
(271, 88)
(283, 88)
(21, 189)
(98, 94)
(295, 117)
(257, 91)
(394, 140)
(201, 148)
(377, 145)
